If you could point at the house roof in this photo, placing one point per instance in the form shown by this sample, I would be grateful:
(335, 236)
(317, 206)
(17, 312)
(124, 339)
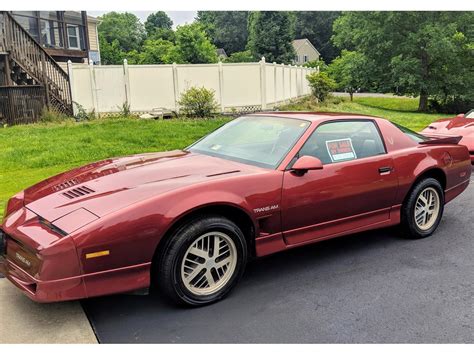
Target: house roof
(297, 43)
(221, 52)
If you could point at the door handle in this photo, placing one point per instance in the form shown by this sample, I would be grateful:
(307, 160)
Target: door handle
(385, 170)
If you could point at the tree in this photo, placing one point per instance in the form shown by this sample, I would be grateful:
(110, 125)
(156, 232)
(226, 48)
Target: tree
(316, 26)
(270, 35)
(153, 51)
(158, 21)
(348, 70)
(110, 53)
(413, 53)
(241, 57)
(226, 29)
(125, 27)
(193, 46)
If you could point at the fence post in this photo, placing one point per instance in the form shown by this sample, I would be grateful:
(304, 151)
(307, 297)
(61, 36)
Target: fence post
(175, 86)
(95, 103)
(221, 84)
(126, 81)
(283, 81)
(263, 84)
(275, 83)
(302, 76)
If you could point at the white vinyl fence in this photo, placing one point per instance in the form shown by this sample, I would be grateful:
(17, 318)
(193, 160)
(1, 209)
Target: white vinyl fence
(237, 87)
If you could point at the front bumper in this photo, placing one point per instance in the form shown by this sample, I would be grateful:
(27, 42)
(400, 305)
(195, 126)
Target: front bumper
(43, 291)
(38, 290)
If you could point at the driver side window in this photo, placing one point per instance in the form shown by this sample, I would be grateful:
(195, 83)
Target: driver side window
(346, 140)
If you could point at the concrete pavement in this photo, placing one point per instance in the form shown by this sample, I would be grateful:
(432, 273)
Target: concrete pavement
(24, 321)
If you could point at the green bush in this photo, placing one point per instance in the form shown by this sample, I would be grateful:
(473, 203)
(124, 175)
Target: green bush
(450, 104)
(82, 114)
(198, 102)
(321, 85)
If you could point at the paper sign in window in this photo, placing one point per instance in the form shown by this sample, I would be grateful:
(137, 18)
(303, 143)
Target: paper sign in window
(341, 150)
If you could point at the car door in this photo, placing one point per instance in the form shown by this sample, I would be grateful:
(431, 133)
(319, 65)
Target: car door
(355, 189)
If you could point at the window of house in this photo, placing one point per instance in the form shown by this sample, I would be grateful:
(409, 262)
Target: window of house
(305, 58)
(73, 36)
(339, 141)
(30, 24)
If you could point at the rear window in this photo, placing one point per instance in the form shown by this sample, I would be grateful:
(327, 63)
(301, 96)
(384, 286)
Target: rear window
(411, 134)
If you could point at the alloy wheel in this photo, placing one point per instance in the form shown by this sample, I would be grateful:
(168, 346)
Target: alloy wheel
(209, 263)
(427, 208)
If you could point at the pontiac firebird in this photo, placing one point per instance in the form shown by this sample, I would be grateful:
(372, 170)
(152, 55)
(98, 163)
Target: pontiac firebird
(184, 223)
(461, 125)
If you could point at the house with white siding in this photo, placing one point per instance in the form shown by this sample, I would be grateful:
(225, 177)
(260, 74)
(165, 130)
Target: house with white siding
(305, 51)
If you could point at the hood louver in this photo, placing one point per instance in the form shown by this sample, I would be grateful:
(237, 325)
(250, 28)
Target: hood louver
(77, 192)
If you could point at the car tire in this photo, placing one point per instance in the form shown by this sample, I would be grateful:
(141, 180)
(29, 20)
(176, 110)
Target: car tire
(201, 261)
(423, 209)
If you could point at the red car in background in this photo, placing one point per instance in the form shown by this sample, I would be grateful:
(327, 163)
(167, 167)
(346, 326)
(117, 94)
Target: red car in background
(461, 125)
(186, 222)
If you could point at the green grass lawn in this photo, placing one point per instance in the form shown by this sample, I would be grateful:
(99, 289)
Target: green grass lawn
(32, 153)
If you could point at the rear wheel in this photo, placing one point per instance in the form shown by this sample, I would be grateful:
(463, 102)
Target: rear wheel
(423, 209)
(202, 261)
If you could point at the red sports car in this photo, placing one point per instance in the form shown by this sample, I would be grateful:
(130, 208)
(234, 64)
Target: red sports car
(461, 125)
(185, 222)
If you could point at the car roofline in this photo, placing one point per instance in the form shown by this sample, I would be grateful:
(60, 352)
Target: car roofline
(314, 115)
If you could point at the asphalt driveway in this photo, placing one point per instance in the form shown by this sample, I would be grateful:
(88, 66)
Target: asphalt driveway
(366, 288)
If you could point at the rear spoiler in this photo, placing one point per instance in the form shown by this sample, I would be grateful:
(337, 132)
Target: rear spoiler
(442, 140)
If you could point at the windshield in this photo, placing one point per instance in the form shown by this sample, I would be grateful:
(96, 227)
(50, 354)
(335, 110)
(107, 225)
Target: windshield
(470, 114)
(258, 140)
(413, 135)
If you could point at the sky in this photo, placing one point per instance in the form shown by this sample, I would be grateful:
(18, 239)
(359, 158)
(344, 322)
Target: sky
(178, 17)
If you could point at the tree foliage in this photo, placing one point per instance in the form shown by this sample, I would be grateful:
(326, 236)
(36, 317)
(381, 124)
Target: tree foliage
(193, 45)
(154, 51)
(270, 35)
(241, 57)
(110, 53)
(226, 29)
(414, 53)
(316, 26)
(349, 71)
(125, 28)
(158, 21)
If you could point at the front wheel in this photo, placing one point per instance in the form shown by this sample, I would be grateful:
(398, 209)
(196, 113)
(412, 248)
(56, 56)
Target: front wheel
(423, 209)
(202, 262)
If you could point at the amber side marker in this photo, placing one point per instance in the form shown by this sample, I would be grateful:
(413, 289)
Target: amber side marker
(97, 254)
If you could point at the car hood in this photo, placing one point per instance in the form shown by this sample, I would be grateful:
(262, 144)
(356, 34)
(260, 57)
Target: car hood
(457, 126)
(452, 126)
(97, 189)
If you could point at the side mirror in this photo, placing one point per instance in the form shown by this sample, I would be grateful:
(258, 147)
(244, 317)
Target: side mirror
(461, 115)
(305, 163)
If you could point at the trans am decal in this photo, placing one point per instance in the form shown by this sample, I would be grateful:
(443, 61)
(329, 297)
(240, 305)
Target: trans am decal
(266, 208)
(341, 150)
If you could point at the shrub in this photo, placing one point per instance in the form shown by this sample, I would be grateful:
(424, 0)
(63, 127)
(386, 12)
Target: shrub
(450, 104)
(198, 102)
(321, 85)
(82, 114)
(124, 110)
